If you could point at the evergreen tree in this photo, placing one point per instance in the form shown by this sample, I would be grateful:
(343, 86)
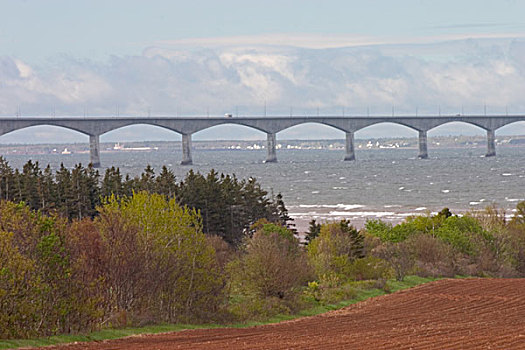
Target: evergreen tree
(65, 198)
(357, 239)
(93, 188)
(230, 191)
(256, 203)
(17, 195)
(283, 218)
(217, 207)
(7, 179)
(48, 191)
(192, 193)
(314, 229)
(29, 185)
(112, 183)
(165, 183)
(228, 207)
(129, 186)
(82, 180)
(444, 213)
(147, 180)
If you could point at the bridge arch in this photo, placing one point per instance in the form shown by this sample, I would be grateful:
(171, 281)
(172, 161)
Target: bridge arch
(332, 129)
(377, 129)
(402, 130)
(45, 133)
(473, 128)
(117, 124)
(228, 130)
(135, 132)
(303, 128)
(377, 123)
(165, 126)
(25, 127)
(510, 128)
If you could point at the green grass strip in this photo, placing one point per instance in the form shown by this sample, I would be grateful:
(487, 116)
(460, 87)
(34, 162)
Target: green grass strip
(394, 286)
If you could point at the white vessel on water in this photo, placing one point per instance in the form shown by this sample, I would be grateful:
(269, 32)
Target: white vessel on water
(66, 151)
(119, 147)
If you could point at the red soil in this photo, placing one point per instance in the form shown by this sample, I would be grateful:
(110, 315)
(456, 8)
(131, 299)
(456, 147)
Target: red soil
(447, 314)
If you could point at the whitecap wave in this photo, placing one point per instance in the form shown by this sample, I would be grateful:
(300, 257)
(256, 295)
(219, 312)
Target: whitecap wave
(513, 199)
(377, 214)
(333, 206)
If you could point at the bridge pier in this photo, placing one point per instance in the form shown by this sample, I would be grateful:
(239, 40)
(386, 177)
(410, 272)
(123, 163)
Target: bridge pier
(349, 146)
(423, 151)
(94, 150)
(186, 150)
(491, 143)
(270, 145)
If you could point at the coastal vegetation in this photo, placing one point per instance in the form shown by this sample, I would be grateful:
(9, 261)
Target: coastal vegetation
(209, 249)
(227, 206)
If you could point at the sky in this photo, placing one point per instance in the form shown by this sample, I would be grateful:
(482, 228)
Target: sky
(68, 57)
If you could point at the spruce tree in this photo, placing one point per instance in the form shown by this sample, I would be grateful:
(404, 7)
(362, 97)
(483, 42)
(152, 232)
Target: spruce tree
(7, 179)
(314, 229)
(48, 190)
(147, 180)
(29, 185)
(112, 183)
(65, 199)
(166, 183)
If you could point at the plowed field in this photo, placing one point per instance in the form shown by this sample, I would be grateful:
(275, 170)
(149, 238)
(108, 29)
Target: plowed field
(448, 314)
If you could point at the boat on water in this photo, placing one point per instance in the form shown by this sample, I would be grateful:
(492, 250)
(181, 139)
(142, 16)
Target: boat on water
(65, 151)
(119, 147)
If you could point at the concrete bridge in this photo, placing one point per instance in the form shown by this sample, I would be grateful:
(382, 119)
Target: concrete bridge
(271, 125)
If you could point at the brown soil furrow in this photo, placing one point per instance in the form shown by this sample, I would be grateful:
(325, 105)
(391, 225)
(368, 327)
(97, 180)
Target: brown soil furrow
(446, 314)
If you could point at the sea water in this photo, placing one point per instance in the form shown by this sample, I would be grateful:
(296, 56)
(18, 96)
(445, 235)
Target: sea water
(388, 184)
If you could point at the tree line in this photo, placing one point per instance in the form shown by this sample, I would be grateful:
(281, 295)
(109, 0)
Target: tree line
(228, 206)
(144, 259)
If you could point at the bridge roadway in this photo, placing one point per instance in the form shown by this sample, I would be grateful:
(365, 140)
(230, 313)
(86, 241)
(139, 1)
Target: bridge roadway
(271, 125)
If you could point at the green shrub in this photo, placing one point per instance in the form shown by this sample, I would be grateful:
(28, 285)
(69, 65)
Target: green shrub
(269, 273)
(334, 250)
(369, 268)
(432, 256)
(398, 256)
(329, 290)
(464, 234)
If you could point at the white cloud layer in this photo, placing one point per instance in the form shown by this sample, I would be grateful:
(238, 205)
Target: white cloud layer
(458, 75)
(326, 41)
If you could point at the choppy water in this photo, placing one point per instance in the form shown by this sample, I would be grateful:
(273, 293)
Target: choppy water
(385, 183)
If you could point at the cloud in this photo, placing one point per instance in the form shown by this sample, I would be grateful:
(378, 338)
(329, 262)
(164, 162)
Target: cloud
(451, 75)
(472, 25)
(38, 90)
(327, 41)
(313, 41)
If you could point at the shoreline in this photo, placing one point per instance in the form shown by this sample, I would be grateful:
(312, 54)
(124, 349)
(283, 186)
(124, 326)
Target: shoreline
(360, 214)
